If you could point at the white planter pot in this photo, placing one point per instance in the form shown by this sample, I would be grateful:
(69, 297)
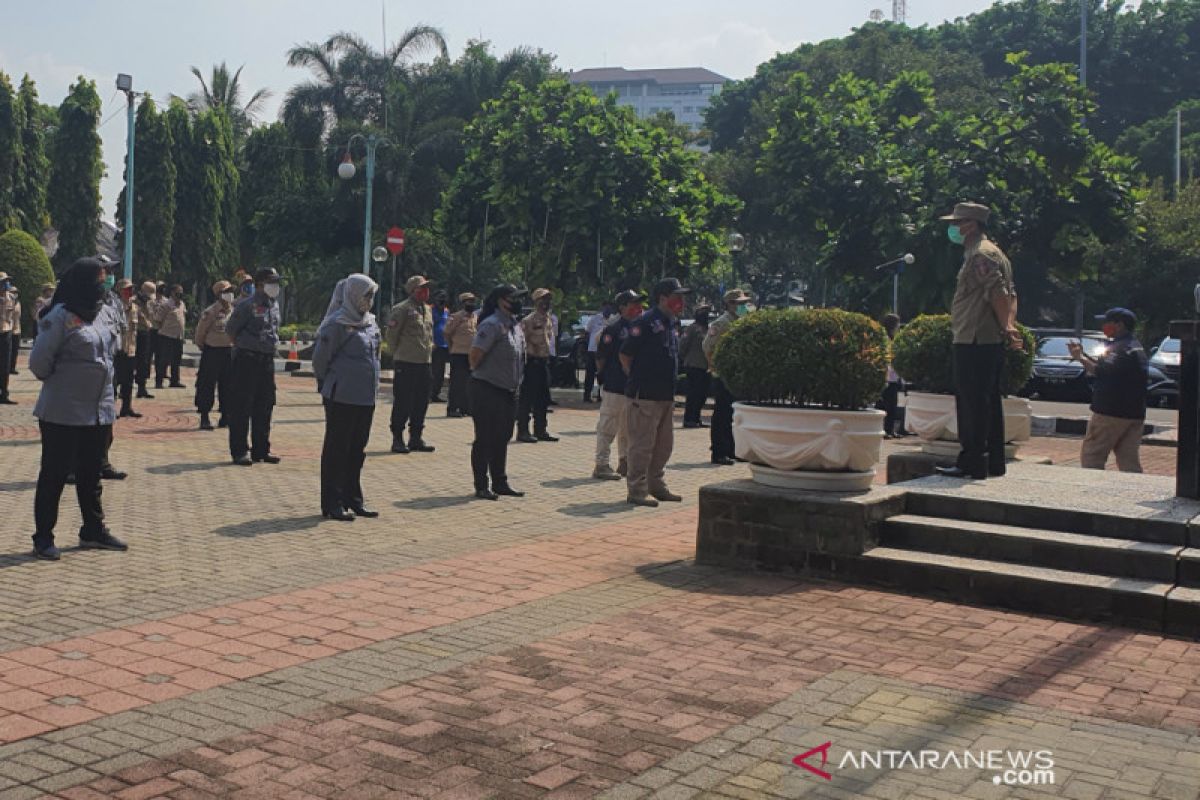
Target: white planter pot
(933, 417)
(1018, 419)
(808, 448)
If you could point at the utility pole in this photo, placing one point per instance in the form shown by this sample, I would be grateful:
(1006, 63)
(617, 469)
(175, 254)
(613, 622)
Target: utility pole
(125, 84)
(1178, 150)
(1083, 32)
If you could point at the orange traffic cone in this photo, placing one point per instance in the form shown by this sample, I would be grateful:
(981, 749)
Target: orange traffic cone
(294, 353)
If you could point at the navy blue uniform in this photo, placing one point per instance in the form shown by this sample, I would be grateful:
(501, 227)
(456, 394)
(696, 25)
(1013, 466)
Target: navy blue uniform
(654, 346)
(254, 328)
(613, 379)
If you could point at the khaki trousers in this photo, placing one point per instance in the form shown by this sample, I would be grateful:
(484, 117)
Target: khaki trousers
(1112, 434)
(651, 431)
(611, 425)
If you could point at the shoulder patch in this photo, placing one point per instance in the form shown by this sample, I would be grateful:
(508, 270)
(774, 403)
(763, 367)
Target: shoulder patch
(73, 321)
(636, 330)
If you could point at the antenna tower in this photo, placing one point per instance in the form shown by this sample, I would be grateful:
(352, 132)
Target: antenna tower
(876, 15)
(899, 11)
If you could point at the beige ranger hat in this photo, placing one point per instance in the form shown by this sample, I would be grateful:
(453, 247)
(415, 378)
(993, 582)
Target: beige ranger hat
(466, 297)
(968, 212)
(538, 294)
(124, 283)
(735, 296)
(3, 276)
(149, 288)
(222, 286)
(415, 282)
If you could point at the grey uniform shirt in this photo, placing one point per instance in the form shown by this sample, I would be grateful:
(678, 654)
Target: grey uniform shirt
(74, 361)
(254, 324)
(346, 361)
(503, 345)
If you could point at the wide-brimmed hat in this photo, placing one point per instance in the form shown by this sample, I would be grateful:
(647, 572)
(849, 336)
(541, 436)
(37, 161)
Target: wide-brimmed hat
(149, 288)
(538, 294)
(415, 282)
(221, 286)
(968, 212)
(3, 276)
(735, 296)
(467, 297)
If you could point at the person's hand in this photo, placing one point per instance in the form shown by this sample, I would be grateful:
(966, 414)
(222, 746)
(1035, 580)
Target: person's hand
(1015, 340)
(1076, 350)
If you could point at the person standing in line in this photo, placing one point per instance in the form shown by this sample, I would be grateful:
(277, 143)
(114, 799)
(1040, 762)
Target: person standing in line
(125, 359)
(695, 366)
(537, 330)
(721, 433)
(171, 315)
(40, 302)
(216, 355)
(254, 327)
(7, 301)
(440, 356)
(613, 403)
(1119, 397)
(460, 332)
(410, 341)
(650, 358)
(346, 363)
(889, 404)
(550, 401)
(147, 336)
(596, 325)
(497, 360)
(112, 314)
(73, 358)
(983, 320)
(16, 331)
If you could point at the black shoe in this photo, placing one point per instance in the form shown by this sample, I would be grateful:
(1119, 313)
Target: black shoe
(47, 553)
(955, 472)
(339, 514)
(269, 458)
(7, 401)
(205, 423)
(545, 436)
(997, 473)
(243, 460)
(177, 386)
(485, 494)
(419, 446)
(129, 412)
(723, 461)
(104, 541)
(455, 414)
(525, 438)
(363, 511)
(400, 447)
(436, 400)
(111, 474)
(690, 425)
(144, 395)
(508, 491)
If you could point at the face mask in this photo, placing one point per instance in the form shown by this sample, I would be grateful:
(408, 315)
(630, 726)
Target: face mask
(127, 294)
(743, 310)
(247, 289)
(675, 305)
(469, 307)
(227, 297)
(955, 235)
(271, 290)
(109, 282)
(513, 306)
(1110, 330)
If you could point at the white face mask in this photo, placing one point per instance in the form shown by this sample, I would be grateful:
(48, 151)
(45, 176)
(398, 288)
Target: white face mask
(271, 290)
(227, 297)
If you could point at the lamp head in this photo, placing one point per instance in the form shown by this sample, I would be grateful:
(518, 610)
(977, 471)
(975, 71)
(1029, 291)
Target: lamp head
(379, 254)
(124, 82)
(346, 170)
(909, 258)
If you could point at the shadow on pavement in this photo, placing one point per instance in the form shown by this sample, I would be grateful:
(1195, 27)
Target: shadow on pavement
(253, 528)
(179, 469)
(595, 510)
(570, 483)
(296, 421)
(18, 486)
(427, 503)
(20, 442)
(693, 465)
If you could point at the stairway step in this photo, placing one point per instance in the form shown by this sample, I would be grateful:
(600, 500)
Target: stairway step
(1189, 568)
(1183, 612)
(1042, 548)
(1061, 593)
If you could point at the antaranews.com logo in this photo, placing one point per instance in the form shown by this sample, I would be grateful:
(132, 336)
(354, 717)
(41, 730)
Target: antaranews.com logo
(1008, 767)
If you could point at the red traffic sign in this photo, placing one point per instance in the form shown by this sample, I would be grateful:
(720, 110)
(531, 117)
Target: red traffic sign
(395, 241)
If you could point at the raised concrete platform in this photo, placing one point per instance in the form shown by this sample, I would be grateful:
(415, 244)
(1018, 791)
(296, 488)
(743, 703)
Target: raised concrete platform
(910, 465)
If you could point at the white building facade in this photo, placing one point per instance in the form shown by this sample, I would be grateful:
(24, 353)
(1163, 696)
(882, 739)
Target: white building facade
(685, 92)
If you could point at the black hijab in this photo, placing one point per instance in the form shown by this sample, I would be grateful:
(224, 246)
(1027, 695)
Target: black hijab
(80, 290)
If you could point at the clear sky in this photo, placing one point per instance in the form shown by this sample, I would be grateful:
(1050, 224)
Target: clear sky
(157, 40)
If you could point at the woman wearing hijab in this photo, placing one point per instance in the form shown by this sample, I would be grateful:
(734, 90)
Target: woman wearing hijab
(73, 357)
(346, 363)
(497, 360)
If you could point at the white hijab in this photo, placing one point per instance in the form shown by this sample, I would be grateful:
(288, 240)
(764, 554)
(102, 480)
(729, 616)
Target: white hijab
(344, 305)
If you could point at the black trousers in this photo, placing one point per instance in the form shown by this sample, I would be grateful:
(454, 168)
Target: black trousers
(213, 377)
(460, 384)
(123, 369)
(721, 430)
(534, 395)
(347, 431)
(251, 401)
(410, 399)
(698, 381)
(441, 357)
(66, 449)
(152, 355)
(167, 357)
(16, 348)
(145, 352)
(889, 404)
(589, 375)
(977, 370)
(5, 355)
(494, 412)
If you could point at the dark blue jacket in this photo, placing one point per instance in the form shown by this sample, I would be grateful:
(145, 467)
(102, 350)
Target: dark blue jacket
(654, 346)
(608, 349)
(1120, 387)
(254, 324)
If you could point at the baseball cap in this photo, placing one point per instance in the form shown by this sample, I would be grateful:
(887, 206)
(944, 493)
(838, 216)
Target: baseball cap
(630, 296)
(1121, 315)
(266, 275)
(668, 286)
(414, 283)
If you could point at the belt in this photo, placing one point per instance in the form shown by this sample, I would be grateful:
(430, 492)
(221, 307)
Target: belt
(255, 353)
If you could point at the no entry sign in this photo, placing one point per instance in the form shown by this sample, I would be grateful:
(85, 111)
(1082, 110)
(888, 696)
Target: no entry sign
(395, 241)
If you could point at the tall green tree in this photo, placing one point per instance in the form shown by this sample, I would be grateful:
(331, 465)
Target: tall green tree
(12, 121)
(223, 92)
(73, 196)
(205, 245)
(29, 189)
(154, 197)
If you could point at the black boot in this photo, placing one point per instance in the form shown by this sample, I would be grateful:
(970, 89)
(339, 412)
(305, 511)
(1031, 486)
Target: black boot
(205, 423)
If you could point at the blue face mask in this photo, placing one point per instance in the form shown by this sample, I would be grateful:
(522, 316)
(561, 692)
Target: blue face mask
(954, 234)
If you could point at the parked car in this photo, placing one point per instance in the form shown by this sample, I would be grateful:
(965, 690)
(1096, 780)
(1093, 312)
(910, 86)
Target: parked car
(1055, 376)
(1165, 361)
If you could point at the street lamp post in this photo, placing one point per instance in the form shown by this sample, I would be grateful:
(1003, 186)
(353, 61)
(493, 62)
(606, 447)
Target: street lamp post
(125, 84)
(897, 265)
(737, 244)
(346, 171)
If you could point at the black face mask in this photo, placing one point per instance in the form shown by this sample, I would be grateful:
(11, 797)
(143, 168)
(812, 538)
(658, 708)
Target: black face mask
(469, 307)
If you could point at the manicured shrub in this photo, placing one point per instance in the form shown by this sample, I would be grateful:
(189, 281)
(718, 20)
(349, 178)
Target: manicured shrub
(26, 263)
(923, 355)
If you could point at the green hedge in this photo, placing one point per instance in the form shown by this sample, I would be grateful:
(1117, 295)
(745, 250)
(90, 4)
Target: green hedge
(26, 263)
(818, 357)
(923, 354)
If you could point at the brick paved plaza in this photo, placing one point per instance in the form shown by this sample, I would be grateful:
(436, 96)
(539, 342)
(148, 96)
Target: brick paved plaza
(559, 646)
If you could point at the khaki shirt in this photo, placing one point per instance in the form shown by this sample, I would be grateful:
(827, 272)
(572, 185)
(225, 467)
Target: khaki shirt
(16, 318)
(460, 332)
(716, 329)
(6, 306)
(210, 330)
(128, 342)
(539, 331)
(410, 333)
(170, 316)
(985, 271)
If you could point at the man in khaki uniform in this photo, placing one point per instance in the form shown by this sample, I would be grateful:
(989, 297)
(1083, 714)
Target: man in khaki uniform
(983, 318)
(7, 301)
(410, 342)
(147, 336)
(125, 358)
(170, 313)
(16, 331)
(535, 388)
(721, 430)
(459, 333)
(216, 354)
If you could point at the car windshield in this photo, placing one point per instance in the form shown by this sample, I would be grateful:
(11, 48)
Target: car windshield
(1056, 347)
(1169, 346)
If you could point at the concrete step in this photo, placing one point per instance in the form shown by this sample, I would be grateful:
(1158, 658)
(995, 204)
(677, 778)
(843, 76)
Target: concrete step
(1183, 612)
(1067, 515)
(1124, 558)
(1061, 593)
(1189, 568)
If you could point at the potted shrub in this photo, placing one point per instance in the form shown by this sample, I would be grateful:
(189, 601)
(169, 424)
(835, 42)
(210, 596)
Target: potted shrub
(923, 354)
(806, 380)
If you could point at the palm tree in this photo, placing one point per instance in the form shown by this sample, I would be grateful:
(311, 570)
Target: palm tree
(224, 92)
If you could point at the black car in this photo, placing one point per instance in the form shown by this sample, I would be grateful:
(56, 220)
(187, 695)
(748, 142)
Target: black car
(1055, 376)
